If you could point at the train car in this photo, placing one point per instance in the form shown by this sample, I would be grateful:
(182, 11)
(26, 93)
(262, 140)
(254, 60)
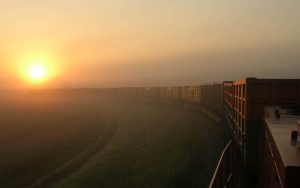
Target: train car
(155, 92)
(169, 92)
(278, 144)
(147, 92)
(228, 105)
(217, 98)
(190, 95)
(250, 96)
(183, 93)
(197, 95)
(162, 92)
(140, 92)
(125, 91)
(207, 96)
(175, 93)
(134, 91)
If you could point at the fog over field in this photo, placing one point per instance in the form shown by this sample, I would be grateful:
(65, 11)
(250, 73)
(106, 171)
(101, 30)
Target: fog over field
(81, 138)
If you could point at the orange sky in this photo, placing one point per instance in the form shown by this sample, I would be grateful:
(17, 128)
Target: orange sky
(137, 42)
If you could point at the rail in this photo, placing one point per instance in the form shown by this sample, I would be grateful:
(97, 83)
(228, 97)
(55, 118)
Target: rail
(223, 176)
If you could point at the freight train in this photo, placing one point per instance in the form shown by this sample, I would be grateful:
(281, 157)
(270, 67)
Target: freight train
(209, 96)
(254, 155)
(240, 105)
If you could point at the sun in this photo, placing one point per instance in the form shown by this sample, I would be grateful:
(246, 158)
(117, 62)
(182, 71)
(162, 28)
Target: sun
(37, 73)
(38, 70)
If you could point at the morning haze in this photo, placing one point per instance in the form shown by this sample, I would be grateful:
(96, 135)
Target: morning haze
(149, 93)
(146, 43)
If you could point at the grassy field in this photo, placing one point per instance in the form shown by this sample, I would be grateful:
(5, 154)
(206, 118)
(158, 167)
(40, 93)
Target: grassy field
(83, 139)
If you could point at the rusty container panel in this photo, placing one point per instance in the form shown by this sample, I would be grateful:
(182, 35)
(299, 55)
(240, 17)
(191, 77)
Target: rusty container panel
(140, 91)
(133, 91)
(162, 92)
(126, 91)
(154, 92)
(147, 92)
(151, 92)
(207, 95)
(175, 92)
(190, 94)
(228, 104)
(169, 92)
(197, 95)
(265, 92)
(183, 93)
(217, 101)
(228, 93)
(287, 93)
(178, 92)
(240, 106)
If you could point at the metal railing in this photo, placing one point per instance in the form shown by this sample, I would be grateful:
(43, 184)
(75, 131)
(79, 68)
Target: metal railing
(224, 173)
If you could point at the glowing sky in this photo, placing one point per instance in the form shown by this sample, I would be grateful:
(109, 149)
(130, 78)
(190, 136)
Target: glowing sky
(140, 42)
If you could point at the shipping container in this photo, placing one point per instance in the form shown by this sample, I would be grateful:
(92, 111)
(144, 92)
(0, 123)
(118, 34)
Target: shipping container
(140, 91)
(169, 92)
(183, 93)
(197, 95)
(162, 92)
(281, 156)
(246, 110)
(190, 94)
(217, 98)
(175, 93)
(207, 96)
(228, 105)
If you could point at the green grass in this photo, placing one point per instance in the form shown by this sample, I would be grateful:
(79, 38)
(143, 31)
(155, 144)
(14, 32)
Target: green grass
(153, 145)
(168, 147)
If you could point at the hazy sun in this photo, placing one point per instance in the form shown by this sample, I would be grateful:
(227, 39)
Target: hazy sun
(37, 72)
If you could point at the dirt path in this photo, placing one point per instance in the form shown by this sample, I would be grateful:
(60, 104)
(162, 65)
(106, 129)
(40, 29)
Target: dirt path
(78, 161)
